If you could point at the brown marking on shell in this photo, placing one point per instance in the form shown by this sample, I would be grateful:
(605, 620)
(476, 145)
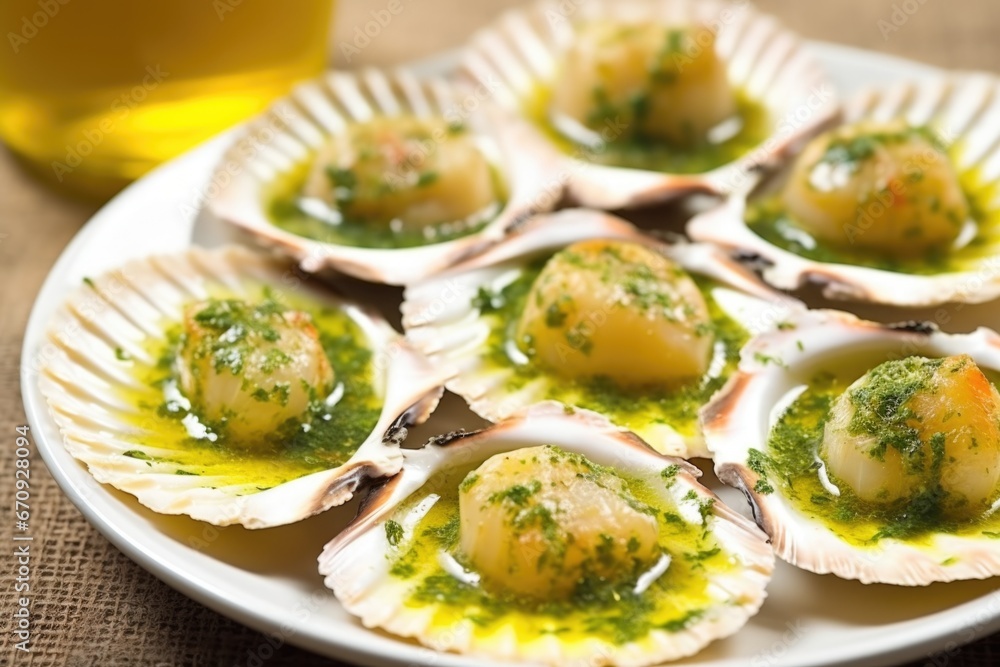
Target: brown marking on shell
(744, 480)
(379, 494)
(717, 413)
(835, 284)
(913, 326)
(342, 489)
(746, 279)
(417, 413)
(903, 329)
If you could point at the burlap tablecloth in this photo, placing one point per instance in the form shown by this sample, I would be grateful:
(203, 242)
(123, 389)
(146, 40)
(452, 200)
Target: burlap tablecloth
(93, 606)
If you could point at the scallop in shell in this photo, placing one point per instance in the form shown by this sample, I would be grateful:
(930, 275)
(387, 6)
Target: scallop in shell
(647, 101)
(897, 206)
(509, 542)
(580, 307)
(221, 385)
(868, 451)
(383, 176)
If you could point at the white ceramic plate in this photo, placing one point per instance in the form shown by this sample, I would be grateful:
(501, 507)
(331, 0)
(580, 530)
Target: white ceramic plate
(268, 579)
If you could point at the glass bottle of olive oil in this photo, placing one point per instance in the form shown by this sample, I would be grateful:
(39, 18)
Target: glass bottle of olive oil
(94, 93)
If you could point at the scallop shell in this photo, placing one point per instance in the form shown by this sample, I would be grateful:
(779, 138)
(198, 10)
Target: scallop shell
(120, 311)
(740, 416)
(296, 126)
(764, 59)
(963, 109)
(356, 564)
(441, 321)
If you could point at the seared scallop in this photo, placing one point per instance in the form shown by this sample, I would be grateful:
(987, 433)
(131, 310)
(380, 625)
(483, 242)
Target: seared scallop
(884, 187)
(404, 173)
(251, 367)
(582, 308)
(620, 310)
(208, 383)
(645, 80)
(915, 426)
(896, 205)
(538, 520)
(869, 451)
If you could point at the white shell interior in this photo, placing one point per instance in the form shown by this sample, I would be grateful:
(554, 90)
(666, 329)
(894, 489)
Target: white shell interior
(742, 414)
(290, 133)
(124, 309)
(765, 59)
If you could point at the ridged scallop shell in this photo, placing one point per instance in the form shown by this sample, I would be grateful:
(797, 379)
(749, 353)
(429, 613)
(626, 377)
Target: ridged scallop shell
(123, 309)
(295, 127)
(442, 322)
(356, 564)
(764, 59)
(740, 418)
(963, 109)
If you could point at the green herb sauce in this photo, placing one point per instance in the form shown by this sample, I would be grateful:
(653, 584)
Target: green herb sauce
(324, 438)
(635, 151)
(611, 611)
(284, 211)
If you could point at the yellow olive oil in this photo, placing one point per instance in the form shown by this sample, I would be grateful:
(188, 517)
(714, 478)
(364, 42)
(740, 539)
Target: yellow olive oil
(607, 610)
(320, 442)
(94, 94)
